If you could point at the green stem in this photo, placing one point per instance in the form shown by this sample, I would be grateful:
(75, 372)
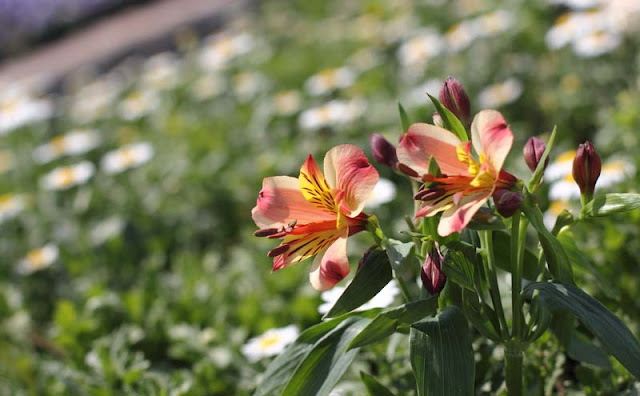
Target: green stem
(486, 239)
(513, 369)
(518, 233)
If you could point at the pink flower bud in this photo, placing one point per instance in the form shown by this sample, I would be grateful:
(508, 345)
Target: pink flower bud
(533, 150)
(433, 279)
(586, 168)
(507, 202)
(455, 99)
(383, 151)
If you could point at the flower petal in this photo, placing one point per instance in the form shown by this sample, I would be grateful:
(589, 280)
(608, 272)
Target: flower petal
(306, 241)
(332, 266)
(314, 187)
(425, 140)
(348, 170)
(280, 202)
(491, 135)
(456, 218)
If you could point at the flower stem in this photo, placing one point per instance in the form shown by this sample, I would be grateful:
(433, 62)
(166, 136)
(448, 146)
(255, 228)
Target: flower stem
(486, 239)
(518, 233)
(513, 368)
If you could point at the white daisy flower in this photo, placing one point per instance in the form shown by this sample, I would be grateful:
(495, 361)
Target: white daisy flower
(561, 166)
(420, 49)
(596, 44)
(614, 172)
(579, 4)
(161, 72)
(94, 101)
(220, 49)
(75, 142)
(208, 86)
(138, 104)
(106, 229)
(329, 80)
(365, 59)
(126, 157)
(247, 85)
(331, 114)
(286, 103)
(11, 205)
(461, 35)
(383, 192)
(18, 108)
(65, 177)
(270, 343)
(383, 299)
(500, 94)
(564, 189)
(555, 208)
(494, 23)
(38, 259)
(7, 161)
(417, 96)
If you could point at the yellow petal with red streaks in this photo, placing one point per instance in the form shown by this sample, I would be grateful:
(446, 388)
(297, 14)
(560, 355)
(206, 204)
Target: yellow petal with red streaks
(332, 266)
(314, 187)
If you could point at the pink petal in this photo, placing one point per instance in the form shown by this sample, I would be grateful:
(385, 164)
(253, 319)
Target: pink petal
(306, 241)
(349, 172)
(330, 267)
(456, 218)
(425, 140)
(491, 135)
(280, 202)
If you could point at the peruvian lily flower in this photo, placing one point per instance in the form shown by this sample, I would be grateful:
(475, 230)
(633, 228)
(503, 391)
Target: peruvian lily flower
(316, 212)
(466, 183)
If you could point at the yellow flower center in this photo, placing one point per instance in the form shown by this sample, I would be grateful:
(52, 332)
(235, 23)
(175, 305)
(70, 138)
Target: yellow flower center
(481, 170)
(269, 340)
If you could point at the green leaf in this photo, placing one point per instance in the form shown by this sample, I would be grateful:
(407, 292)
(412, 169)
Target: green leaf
(327, 361)
(404, 118)
(503, 256)
(450, 121)
(442, 356)
(583, 350)
(458, 269)
(374, 274)
(608, 204)
(537, 174)
(480, 316)
(614, 335)
(374, 387)
(400, 257)
(556, 257)
(388, 320)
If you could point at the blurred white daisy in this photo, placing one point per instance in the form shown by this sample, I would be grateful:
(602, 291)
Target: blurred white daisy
(461, 35)
(270, 343)
(208, 86)
(7, 161)
(365, 59)
(418, 50)
(138, 104)
(286, 103)
(65, 177)
(577, 3)
(417, 96)
(564, 189)
(330, 79)
(106, 229)
(19, 108)
(95, 100)
(126, 157)
(383, 299)
(333, 113)
(500, 94)
(247, 85)
(614, 172)
(38, 259)
(11, 205)
(383, 192)
(596, 44)
(555, 208)
(561, 166)
(219, 49)
(161, 71)
(75, 142)
(495, 22)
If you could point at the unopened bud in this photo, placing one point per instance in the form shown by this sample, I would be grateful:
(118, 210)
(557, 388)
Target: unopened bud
(433, 279)
(533, 150)
(507, 202)
(455, 99)
(586, 168)
(383, 151)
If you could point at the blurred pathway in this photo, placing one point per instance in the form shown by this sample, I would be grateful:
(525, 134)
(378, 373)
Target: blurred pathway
(114, 36)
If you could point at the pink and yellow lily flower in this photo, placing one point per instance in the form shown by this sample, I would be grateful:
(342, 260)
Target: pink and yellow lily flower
(316, 213)
(466, 183)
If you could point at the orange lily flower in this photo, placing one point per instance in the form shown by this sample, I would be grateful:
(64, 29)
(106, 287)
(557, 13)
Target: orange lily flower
(466, 183)
(316, 213)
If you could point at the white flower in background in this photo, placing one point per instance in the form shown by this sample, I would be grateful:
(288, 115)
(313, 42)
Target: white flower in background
(76, 142)
(270, 343)
(365, 59)
(220, 49)
(19, 108)
(461, 35)
(11, 205)
(138, 104)
(65, 177)
(561, 166)
(596, 44)
(500, 94)
(247, 85)
(417, 96)
(418, 50)
(286, 103)
(7, 161)
(208, 86)
(126, 157)
(383, 192)
(161, 72)
(329, 80)
(383, 299)
(331, 114)
(493, 23)
(106, 229)
(95, 100)
(564, 189)
(614, 172)
(38, 259)
(578, 3)
(555, 208)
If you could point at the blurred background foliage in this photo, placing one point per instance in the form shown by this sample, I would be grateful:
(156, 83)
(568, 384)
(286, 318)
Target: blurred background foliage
(128, 261)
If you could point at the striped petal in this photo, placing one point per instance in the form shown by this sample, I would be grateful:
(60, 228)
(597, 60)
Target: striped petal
(306, 241)
(491, 135)
(314, 187)
(423, 141)
(332, 266)
(456, 218)
(349, 172)
(280, 202)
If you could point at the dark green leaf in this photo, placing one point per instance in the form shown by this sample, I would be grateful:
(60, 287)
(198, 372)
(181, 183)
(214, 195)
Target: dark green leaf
(480, 315)
(374, 387)
(388, 320)
(458, 269)
(537, 174)
(374, 274)
(583, 350)
(442, 356)
(400, 257)
(450, 121)
(608, 204)
(614, 335)
(404, 118)
(503, 256)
